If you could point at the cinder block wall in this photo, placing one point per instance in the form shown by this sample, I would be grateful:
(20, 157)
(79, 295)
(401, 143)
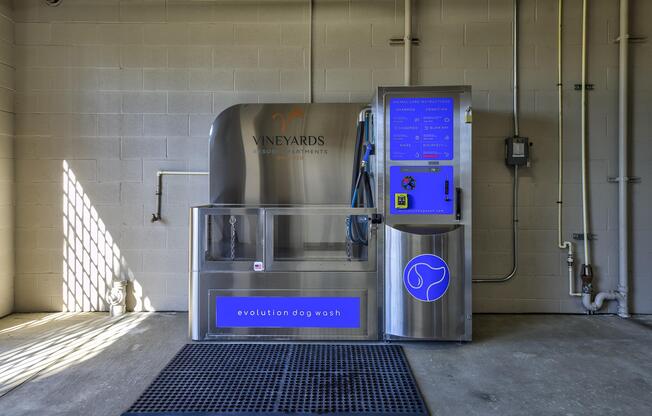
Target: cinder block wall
(110, 91)
(7, 70)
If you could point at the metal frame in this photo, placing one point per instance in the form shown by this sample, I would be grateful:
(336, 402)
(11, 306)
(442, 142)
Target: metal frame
(289, 278)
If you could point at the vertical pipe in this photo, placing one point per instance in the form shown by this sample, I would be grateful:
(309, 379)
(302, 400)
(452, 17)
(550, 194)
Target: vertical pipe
(515, 183)
(515, 63)
(560, 127)
(159, 197)
(623, 168)
(585, 202)
(310, 10)
(570, 260)
(407, 60)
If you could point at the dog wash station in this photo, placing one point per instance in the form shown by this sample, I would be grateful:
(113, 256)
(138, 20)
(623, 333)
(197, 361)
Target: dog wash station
(337, 221)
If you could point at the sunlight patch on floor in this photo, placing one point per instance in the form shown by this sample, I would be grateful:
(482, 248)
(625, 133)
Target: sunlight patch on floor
(56, 349)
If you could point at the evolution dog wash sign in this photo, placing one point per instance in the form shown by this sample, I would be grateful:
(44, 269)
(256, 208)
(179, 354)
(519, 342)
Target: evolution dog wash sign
(287, 312)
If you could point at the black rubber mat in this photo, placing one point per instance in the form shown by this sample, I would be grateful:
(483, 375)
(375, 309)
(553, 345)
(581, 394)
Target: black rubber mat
(242, 379)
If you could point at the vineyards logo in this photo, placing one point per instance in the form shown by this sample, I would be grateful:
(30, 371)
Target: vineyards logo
(285, 120)
(289, 140)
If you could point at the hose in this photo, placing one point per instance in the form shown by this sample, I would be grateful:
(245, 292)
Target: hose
(357, 231)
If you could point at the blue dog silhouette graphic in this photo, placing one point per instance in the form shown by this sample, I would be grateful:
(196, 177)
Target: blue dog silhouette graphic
(426, 277)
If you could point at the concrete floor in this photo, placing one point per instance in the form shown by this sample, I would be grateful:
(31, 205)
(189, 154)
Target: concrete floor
(88, 364)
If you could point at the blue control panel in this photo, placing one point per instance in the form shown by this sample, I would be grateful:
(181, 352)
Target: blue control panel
(421, 128)
(422, 190)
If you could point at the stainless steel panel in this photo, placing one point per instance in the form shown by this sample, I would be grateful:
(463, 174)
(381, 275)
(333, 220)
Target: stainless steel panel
(425, 233)
(207, 285)
(283, 154)
(298, 278)
(408, 317)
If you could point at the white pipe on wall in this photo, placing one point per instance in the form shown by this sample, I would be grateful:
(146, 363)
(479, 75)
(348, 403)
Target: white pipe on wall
(407, 38)
(623, 166)
(587, 273)
(585, 202)
(570, 260)
(621, 293)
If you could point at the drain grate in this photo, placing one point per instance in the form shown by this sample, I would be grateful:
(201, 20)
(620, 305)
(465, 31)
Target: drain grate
(239, 379)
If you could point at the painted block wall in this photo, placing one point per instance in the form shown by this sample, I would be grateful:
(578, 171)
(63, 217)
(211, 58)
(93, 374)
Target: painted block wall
(110, 91)
(7, 76)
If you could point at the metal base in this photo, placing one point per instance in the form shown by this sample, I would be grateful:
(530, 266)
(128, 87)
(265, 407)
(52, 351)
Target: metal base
(239, 379)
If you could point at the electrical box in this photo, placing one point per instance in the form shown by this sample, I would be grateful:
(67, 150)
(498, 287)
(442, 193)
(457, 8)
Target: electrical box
(517, 151)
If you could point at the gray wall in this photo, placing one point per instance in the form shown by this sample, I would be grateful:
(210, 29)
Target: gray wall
(110, 91)
(7, 69)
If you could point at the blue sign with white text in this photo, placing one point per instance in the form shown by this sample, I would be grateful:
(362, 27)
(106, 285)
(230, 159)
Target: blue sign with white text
(421, 128)
(426, 277)
(287, 312)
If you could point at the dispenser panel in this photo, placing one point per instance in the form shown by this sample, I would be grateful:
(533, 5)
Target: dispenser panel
(422, 190)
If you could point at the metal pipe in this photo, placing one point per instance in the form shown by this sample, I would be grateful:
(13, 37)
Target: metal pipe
(363, 113)
(407, 39)
(570, 260)
(310, 62)
(159, 187)
(621, 294)
(585, 202)
(512, 273)
(599, 300)
(515, 62)
(623, 166)
(514, 270)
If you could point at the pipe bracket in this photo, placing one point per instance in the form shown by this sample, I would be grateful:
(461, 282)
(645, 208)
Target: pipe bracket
(401, 41)
(589, 87)
(627, 179)
(632, 39)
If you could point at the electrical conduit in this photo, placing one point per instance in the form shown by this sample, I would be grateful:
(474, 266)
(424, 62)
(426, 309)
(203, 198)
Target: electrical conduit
(407, 38)
(514, 270)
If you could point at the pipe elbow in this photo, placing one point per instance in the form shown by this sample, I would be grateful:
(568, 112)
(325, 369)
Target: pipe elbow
(600, 298)
(588, 304)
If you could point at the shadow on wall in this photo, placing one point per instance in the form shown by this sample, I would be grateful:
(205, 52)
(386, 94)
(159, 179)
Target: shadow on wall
(91, 257)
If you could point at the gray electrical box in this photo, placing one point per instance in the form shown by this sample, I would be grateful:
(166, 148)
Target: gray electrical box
(517, 151)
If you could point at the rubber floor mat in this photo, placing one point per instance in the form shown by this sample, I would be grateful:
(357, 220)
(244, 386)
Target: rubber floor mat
(281, 379)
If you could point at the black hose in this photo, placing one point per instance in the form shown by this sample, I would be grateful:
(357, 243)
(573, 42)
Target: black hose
(359, 178)
(367, 187)
(357, 155)
(356, 187)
